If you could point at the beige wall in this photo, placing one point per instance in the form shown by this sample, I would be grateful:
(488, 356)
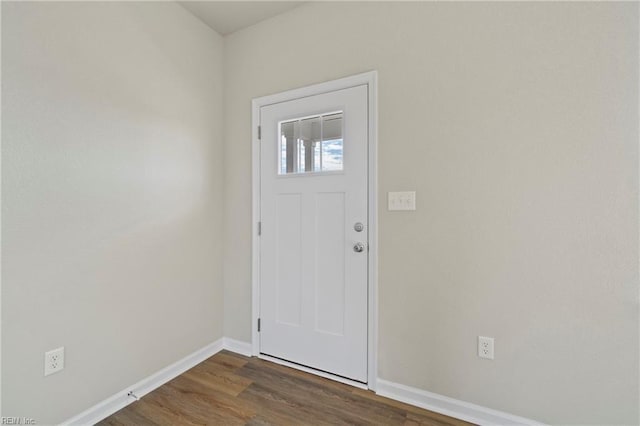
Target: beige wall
(111, 195)
(517, 125)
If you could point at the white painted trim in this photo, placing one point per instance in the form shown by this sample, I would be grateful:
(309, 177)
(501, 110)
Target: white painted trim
(371, 80)
(1, 275)
(372, 365)
(450, 406)
(417, 397)
(255, 218)
(314, 372)
(120, 400)
(237, 346)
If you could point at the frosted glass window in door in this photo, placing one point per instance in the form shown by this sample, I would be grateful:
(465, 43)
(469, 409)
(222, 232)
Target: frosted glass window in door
(311, 144)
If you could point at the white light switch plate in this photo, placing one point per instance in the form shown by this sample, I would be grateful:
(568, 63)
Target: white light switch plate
(405, 200)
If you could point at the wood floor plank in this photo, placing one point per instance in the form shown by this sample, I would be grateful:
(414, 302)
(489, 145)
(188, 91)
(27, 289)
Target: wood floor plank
(322, 381)
(284, 405)
(342, 395)
(209, 402)
(222, 381)
(155, 409)
(235, 355)
(128, 416)
(417, 413)
(231, 389)
(421, 416)
(227, 360)
(429, 420)
(299, 390)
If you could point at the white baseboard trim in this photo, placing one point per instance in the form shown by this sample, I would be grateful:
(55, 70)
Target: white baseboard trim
(450, 406)
(237, 346)
(420, 398)
(121, 399)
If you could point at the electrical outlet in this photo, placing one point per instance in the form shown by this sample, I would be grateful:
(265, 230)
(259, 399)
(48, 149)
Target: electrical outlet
(485, 347)
(53, 361)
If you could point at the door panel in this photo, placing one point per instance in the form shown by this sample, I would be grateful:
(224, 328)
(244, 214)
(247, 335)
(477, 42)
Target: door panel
(330, 277)
(313, 285)
(289, 258)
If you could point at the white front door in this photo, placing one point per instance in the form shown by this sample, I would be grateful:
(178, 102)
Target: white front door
(313, 244)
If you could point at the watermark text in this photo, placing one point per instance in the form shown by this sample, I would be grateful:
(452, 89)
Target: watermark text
(17, 421)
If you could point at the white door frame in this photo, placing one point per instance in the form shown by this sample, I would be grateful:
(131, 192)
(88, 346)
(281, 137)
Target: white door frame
(370, 79)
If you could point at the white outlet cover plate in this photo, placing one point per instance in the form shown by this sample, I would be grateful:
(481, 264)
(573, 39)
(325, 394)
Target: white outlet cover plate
(53, 361)
(485, 347)
(404, 200)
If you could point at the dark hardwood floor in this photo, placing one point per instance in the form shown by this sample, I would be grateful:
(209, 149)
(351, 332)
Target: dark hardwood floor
(230, 389)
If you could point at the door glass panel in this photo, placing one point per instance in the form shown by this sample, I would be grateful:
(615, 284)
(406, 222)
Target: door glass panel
(311, 144)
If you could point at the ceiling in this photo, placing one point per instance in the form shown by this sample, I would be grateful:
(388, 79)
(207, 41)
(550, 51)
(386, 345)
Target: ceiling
(226, 17)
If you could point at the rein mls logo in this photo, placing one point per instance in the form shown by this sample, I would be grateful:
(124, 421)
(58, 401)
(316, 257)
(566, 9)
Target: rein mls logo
(17, 421)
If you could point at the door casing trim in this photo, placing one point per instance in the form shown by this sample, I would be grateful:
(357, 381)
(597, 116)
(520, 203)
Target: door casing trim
(370, 79)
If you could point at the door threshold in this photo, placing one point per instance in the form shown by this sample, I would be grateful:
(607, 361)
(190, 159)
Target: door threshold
(314, 371)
